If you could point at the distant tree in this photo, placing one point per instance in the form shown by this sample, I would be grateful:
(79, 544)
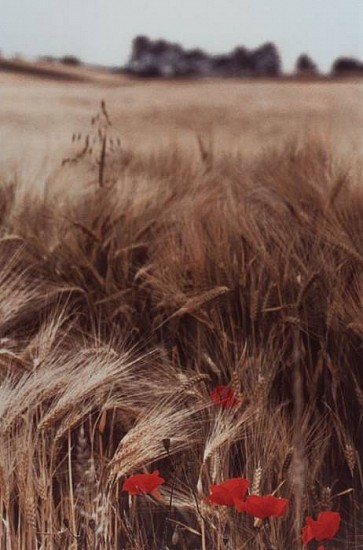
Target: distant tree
(241, 56)
(305, 65)
(266, 60)
(159, 47)
(197, 62)
(160, 58)
(70, 60)
(242, 60)
(346, 65)
(142, 62)
(222, 65)
(196, 53)
(140, 45)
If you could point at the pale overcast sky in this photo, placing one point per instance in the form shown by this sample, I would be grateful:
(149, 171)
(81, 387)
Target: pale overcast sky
(101, 31)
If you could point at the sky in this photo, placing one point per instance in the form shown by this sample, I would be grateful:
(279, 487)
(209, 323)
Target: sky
(101, 31)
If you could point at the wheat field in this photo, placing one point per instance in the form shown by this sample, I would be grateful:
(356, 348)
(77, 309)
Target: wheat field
(158, 240)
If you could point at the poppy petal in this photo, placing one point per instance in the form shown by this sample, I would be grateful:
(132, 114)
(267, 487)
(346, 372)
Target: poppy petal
(228, 492)
(265, 506)
(307, 534)
(325, 527)
(143, 483)
(224, 396)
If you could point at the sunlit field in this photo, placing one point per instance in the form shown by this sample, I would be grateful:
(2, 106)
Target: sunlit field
(181, 292)
(39, 116)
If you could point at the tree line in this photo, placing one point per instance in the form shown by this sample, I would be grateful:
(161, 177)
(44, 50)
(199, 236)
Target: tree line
(161, 58)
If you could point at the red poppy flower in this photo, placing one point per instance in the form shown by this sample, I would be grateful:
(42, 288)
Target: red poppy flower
(263, 506)
(325, 527)
(321, 547)
(224, 396)
(228, 493)
(139, 484)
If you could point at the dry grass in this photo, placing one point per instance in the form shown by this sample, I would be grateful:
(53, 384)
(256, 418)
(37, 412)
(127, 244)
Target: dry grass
(123, 306)
(38, 117)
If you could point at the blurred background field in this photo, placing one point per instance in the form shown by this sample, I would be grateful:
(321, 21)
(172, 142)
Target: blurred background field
(38, 116)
